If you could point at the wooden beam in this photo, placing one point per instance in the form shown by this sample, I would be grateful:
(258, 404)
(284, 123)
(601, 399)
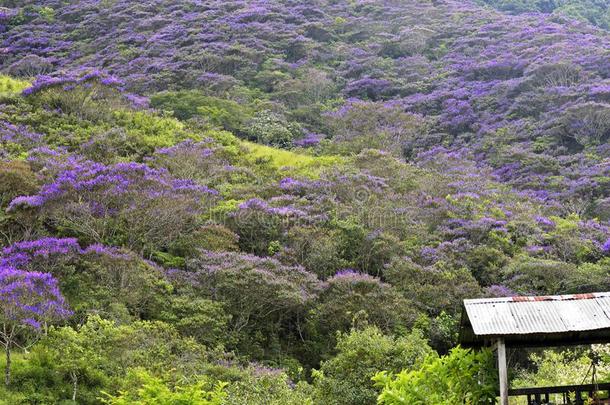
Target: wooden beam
(502, 371)
(533, 340)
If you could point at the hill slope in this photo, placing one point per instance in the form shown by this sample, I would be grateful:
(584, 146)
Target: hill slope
(219, 187)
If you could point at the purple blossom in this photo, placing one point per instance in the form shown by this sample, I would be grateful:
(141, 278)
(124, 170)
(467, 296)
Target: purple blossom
(310, 139)
(500, 291)
(26, 201)
(351, 276)
(29, 298)
(69, 82)
(45, 251)
(545, 221)
(99, 182)
(21, 253)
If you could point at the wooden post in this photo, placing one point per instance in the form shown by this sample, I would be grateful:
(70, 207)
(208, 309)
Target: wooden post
(502, 372)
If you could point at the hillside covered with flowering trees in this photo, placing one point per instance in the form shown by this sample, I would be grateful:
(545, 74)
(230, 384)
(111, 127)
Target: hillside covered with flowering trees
(285, 202)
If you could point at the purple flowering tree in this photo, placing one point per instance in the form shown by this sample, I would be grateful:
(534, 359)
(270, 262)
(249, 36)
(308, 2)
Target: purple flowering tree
(28, 300)
(90, 95)
(97, 278)
(128, 204)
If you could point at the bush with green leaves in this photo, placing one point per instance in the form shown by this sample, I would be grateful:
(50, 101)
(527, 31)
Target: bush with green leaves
(204, 320)
(81, 362)
(90, 96)
(462, 377)
(16, 178)
(262, 298)
(141, 388)
(263, 385)
(421, 284)
(226, 114)
(346, 378)
(349, 299)
(361, 125)
(10, 85)
(271, 128)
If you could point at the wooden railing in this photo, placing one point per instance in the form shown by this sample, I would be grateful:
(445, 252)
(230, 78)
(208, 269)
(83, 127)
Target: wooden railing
(541, 395)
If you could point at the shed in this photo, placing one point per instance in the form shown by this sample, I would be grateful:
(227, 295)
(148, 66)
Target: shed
(540, 321)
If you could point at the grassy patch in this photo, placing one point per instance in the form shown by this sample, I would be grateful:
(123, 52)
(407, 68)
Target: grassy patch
(281, 159)
(9, 86)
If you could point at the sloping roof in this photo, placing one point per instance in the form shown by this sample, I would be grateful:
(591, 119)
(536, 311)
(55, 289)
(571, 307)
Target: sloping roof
(523, 319)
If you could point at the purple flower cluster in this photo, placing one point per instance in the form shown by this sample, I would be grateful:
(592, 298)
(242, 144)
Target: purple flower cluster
(544, 221)
(10, 133)
(30, 298)
(26, 254)
(351, 276)
(257, 204)
(69, 82)
(21, 253)
(100, 182)
(500, 291)
(310, 139)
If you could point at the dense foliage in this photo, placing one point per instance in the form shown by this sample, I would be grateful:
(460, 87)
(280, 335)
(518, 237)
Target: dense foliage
(595, 11)
(460, 378)
(247, 202)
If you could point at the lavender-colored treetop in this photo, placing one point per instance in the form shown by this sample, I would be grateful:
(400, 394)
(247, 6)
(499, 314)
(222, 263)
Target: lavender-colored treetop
(30, 298)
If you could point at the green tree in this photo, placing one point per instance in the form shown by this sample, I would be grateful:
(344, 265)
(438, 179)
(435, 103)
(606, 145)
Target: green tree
(271, 128)
(346, 378)
(462, 377)
(199, 318)
(350, 298)
(75, 352)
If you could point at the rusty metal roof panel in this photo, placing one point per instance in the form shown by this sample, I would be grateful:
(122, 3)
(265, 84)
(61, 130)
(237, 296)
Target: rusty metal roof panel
(531, 315)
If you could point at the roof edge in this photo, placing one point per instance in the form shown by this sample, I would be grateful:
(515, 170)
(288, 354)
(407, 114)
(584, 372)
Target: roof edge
(517, 299)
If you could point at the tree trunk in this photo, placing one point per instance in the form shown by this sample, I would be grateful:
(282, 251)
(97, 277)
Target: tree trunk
(7, 369)
(74, 385)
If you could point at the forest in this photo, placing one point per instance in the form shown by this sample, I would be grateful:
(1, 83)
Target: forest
(285, 202)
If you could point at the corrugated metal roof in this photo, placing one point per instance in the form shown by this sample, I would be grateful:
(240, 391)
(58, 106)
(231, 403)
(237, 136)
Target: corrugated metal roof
(548, 314)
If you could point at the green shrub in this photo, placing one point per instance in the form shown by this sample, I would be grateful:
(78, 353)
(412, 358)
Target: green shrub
(9, 85)
(346, 378)
(141, 388)
(226, 114)
(269, 387)
(462, 377)
(273, 129)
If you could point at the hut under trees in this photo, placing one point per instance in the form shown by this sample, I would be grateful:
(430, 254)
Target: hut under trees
(544, 321)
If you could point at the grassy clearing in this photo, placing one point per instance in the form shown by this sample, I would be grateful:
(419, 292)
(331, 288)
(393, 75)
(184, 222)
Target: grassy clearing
(281, 159)
(8, 85)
